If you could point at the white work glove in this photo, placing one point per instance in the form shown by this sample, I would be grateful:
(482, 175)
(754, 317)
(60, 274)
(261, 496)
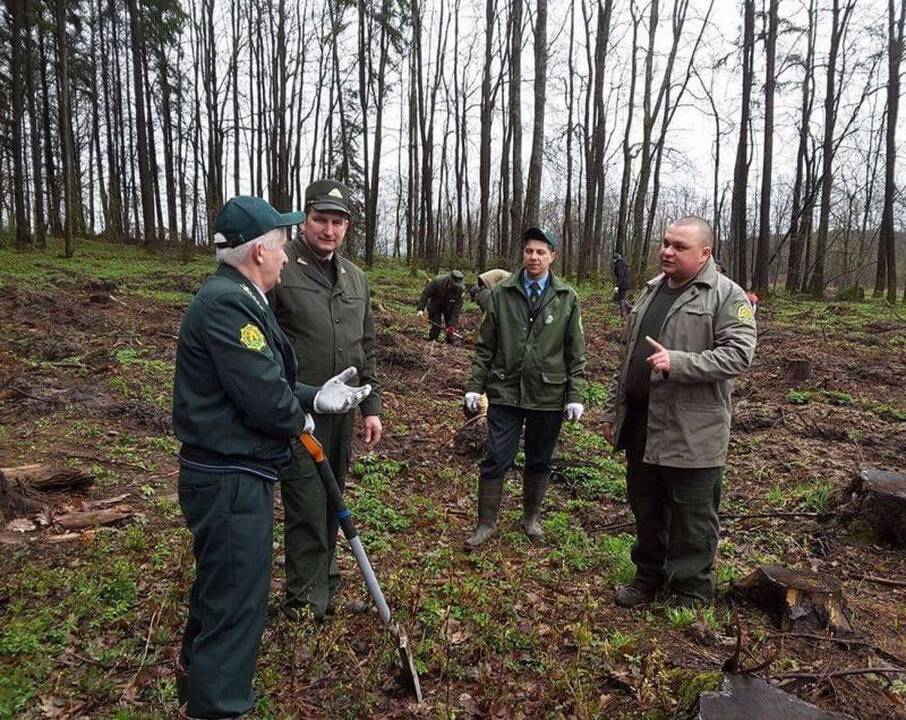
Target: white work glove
(309, 424)
(420, 313)
(472, 401)
(574, 411)
(336, 397)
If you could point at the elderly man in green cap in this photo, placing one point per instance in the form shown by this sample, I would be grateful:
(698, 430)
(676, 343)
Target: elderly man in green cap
(236, 404)
(324, 306)
(442, 299)
(530, 360)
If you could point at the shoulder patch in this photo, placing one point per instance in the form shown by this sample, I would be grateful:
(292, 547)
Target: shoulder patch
(251, 336)
(744, 313)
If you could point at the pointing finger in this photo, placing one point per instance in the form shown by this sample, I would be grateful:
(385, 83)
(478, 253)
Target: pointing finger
(655, 344)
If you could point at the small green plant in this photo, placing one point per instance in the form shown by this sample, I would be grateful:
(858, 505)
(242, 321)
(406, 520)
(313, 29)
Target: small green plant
(815, 496)
(835, 397)
(800, 397)
(595, 394)
(680, 617)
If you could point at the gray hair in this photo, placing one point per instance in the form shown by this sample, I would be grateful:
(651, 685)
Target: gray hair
(705, 231)
(237, 256)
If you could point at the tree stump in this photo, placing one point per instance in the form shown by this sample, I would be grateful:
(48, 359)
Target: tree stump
(798, 600)
(883, 504)
(750, 697)
(798, 369)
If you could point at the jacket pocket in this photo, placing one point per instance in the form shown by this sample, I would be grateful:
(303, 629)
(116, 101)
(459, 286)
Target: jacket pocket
(553, 378)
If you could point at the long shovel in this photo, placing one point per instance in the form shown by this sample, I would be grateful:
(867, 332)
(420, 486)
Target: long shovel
(314, 448)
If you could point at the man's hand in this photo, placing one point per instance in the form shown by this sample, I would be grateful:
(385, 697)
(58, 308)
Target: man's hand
(574, 411)
(472, 401)
(607, 432)
(336, 397)
(659, 360)
(420, 313)
(373, 430)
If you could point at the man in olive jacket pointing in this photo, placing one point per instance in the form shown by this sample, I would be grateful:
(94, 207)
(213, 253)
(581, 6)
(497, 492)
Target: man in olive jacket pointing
(691, 332)
(530, 360)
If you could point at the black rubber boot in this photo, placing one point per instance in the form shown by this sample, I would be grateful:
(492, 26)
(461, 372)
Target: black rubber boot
(490, 493)
(534, 485)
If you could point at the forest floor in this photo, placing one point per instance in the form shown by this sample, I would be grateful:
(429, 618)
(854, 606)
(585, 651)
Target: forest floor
(89, 621)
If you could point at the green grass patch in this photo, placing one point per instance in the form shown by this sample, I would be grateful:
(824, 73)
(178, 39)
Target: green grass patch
(375, 476)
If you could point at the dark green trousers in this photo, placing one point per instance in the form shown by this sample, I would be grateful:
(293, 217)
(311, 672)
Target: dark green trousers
(312, 575)
(231, 517)
(676, 526)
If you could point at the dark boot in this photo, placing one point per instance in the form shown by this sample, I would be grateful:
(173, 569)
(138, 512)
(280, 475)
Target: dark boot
(490, 493)
(534, 485)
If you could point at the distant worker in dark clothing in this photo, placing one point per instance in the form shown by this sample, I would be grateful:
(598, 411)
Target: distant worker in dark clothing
(480, 292)
(442, 298)
(621, 284)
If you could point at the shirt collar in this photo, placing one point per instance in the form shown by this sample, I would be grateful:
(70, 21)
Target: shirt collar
(542, 282)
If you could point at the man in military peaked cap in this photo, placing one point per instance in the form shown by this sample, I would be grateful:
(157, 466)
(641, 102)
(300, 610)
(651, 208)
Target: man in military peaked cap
(324, 306)
(236, 404)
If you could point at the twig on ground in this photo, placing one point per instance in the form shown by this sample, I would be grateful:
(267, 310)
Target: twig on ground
(878, 580)
(889, 656)
(838, 673)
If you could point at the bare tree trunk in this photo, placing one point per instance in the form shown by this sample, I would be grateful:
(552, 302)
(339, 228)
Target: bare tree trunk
(487, 110)
(65, 128)
(40, 234)
(533, 194)
(594, 178)
(797, 220)
(838, 28)
(23, 227)
(761, 271)
(517, 199)
(887, 264)
(738, 220)
(567, 233)
(144, 162)
(623, 212)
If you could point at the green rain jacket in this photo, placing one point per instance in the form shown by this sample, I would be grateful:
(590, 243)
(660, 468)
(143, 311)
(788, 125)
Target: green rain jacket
(235, 396)
(531, 363)
(331, 328)
(710, 336)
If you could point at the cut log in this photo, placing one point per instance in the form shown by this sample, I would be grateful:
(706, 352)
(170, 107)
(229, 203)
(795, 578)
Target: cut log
(798, 369)
(23, 488)
(77, 520)
(798, 600)
(883, 504)
(46, 478)
(750, 697)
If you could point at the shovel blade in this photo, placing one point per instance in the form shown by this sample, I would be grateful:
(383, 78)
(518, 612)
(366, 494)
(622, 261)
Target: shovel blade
(407, 661)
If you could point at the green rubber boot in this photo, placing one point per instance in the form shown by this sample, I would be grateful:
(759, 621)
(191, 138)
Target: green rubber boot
(534, 485)
(490, 493)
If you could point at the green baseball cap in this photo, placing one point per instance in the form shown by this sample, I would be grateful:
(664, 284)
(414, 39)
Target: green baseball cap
(457, 277)
(328, 195)
(245, 218)
(542, 233)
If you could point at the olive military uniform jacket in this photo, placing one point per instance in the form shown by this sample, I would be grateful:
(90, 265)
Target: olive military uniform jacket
(710, 335)
(331, 327)
(534, 361)
(441, 294)
(236, 401)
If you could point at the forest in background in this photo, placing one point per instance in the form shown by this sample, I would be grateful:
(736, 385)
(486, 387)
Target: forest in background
(458, 123)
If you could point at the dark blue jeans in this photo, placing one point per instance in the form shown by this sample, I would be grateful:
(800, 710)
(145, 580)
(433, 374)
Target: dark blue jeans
(231, 517)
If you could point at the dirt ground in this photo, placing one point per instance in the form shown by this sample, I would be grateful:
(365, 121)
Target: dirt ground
(89, 621)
